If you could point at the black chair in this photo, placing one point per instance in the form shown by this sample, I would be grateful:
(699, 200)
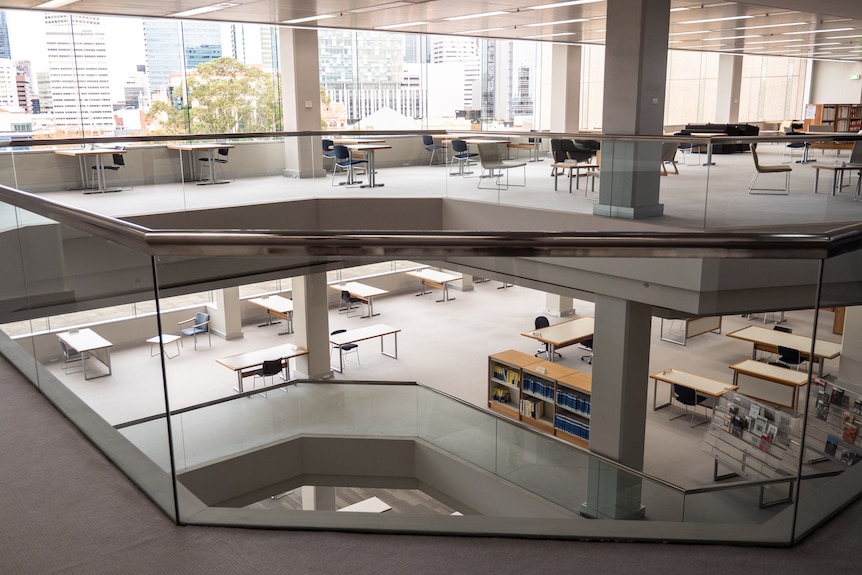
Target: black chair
(328, 151)
(792, 146)
(462, 155)
(587, 344)
(430, 146)
(688, 397)
(540, 323)
(789, 356)
(219, 161)
(345, 349)
(117, 163)
(782, 328)
(344, 160)
(200, 325)
(270, 369)
(349, 302)
(688, 149)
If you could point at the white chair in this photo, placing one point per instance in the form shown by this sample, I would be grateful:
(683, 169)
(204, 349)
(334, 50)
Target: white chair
(492, 162)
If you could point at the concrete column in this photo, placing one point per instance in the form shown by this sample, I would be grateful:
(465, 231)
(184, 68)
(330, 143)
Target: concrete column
(565, 88)
(318, 498)
(558, 305)
(226, 318)
(300, 80)
(729, 83)
(618, 411)
(311, 324)
(635, 75)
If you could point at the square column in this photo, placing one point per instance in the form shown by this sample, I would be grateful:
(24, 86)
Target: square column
(311, 324)
(300, 103)
(618, 410)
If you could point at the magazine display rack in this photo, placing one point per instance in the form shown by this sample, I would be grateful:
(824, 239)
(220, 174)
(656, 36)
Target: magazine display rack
(550, 397)
(754, 440)
(834, 419)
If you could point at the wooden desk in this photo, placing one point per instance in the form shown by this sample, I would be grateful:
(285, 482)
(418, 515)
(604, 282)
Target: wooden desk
(701, 385)
(88, 343)
(770, 383)
(563, 334)
(368, 150)
(278, 306)
(434, 279)
(356, 335)
(694, 326)
(768, 340)
(362, 291)
(245, 364)
(837, 176)
(99, 155)
(573, 166)
(210, 149)
(162, 341)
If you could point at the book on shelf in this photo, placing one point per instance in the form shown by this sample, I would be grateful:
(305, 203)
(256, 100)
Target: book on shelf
(533, 409)
(837, 397)
(857, 406)
(850, 457)
(765, 442)
(849, 434)
(846, 419)
(821, 407)
(831, 445)
(501, 394)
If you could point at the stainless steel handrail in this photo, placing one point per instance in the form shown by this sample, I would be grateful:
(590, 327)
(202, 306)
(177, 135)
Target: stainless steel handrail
(400, 244)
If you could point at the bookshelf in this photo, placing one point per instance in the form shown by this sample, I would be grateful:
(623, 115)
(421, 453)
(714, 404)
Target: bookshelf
(754, 440)
(838, 117)
(834, 422)
(547, 396)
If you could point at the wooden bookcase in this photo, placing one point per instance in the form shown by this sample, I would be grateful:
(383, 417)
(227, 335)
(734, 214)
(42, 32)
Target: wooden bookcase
(547, 396)
(834, 118)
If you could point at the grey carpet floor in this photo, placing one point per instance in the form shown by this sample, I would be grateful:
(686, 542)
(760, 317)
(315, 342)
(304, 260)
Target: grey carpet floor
(66, 509)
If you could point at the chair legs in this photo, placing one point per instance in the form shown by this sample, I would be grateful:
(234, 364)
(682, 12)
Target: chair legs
(770, 191)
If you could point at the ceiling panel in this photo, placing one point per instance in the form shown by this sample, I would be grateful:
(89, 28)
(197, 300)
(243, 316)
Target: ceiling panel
(786, 27)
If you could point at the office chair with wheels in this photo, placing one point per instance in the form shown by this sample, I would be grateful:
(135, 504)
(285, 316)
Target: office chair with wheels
(587, 344)
(270, 369)
(220, 161)
(462, 155)
(200, 325)
(430, 146)
(688, 397)
(346, 348)
(540, 323)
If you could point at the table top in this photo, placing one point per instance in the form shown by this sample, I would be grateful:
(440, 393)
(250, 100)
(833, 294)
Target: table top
(774, 373)
(185, 147)
(165, 338)
(839, 168)
(434, 275)
(84, 339)
(359, 289)
(346, 141)
(362, 333)
(368, 147)
(88, 152)
(274, 302)
(703, 385)
(254, 358)
(774, 338)
(564, 333)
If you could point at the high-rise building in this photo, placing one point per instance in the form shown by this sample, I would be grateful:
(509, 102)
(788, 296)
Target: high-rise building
(446, 49)
(8, 88)
(5, 47)
(169, 45)
(24, 84)
(78, 70)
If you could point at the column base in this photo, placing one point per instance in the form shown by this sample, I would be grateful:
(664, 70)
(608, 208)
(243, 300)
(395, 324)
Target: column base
(628, 212)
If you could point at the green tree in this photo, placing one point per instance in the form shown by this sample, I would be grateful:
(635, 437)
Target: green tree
(222, 96)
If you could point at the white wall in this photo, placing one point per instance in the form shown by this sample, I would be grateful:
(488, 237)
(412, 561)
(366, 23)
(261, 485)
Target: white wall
(831, 83)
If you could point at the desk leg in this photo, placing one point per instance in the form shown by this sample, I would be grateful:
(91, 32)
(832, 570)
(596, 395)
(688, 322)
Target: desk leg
(395, 356)
(445, 294)
(371, 307)
(238, 387)
(709, 161)
(655, 393)
(834, 181)
(421, 288)
(816, 179)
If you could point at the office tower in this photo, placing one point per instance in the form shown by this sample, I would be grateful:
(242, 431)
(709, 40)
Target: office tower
(174, 47)
(8, 88)
(78, 69)
(136, 93)
(5, 48)
(43, 87)
(24, 84)
(466, 51)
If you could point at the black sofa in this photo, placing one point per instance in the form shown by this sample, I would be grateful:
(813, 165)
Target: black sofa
(729, 129)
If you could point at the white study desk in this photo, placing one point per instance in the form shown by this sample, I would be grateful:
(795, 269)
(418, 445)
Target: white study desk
(361, 334)
(278, 306)
(434, 279)
(99, 155)
(563, 334)
(368, 149)
(768, 340)
(770, 383)
(245, 364)
(701, 385)
(363, 292)
(88, 343)
(210, 150)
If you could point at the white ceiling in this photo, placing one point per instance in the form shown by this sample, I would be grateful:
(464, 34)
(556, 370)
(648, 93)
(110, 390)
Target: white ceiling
(786, 27)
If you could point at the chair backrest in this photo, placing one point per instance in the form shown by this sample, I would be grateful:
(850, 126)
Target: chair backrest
(668, 151)
(202, 318)
(754, 156)
(341, 152)
(685, 395)
(788, 354)
(459, 146)
(557, 150)
(427, 140)
(782, 328)
(270, 367)
(856, 153)
(223, 152)
(337, 331)
(788, 130)
(345, 296)
(67, 351)
(541, 321)
(587, 343)
(489, 154)
(327, 145)
(118, 159)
